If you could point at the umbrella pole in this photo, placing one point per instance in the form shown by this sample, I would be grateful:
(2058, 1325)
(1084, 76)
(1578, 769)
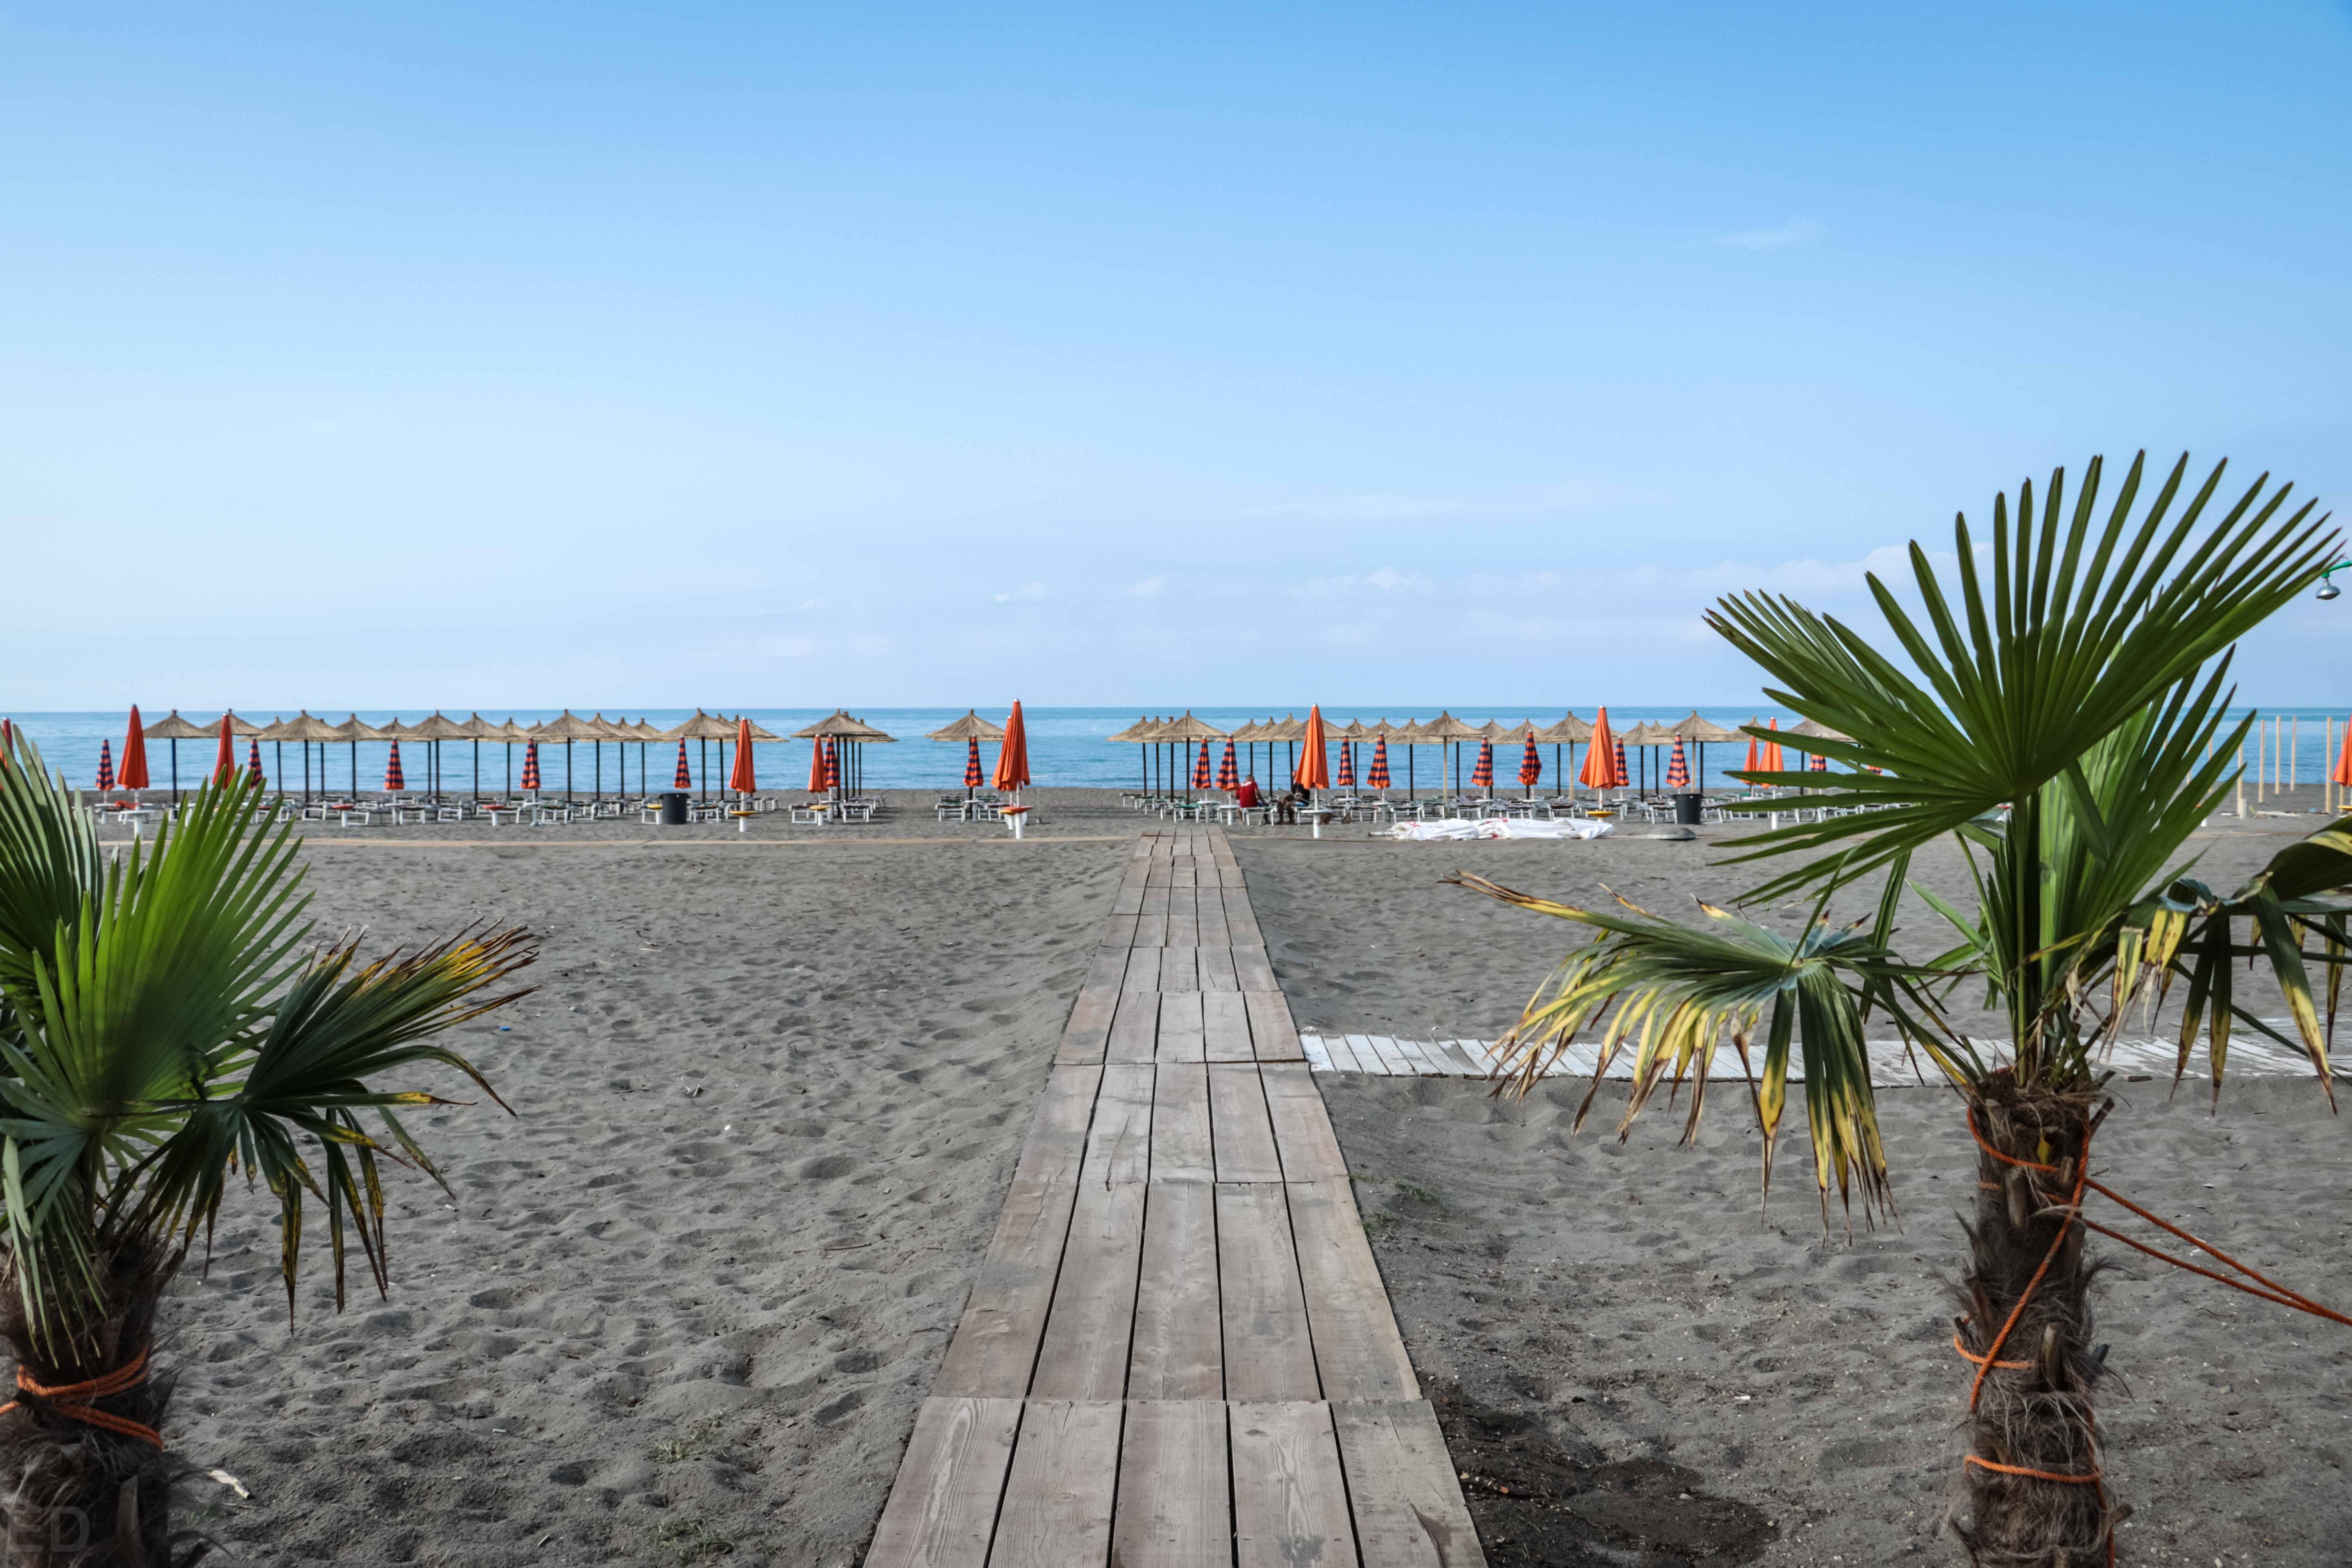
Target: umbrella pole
(511, 767)
(175, 770)
(567, 772)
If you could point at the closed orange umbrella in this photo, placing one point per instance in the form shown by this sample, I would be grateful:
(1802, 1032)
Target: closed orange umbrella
(225, 762)
(1013, 753)
(1599, 770)
(743, 780)
(816, 767)
(1314, 769)
(133, 777)
(1755, 752)
(1772, 763)
(2342, 776)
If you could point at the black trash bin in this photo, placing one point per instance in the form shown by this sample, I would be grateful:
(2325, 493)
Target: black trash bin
(1687, 810)
(673, 808)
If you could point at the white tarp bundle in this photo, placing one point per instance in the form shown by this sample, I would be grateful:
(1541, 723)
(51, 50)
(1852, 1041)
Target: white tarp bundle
(1498, 827)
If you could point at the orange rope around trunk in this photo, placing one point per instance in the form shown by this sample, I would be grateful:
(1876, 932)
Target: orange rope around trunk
(74, 1400)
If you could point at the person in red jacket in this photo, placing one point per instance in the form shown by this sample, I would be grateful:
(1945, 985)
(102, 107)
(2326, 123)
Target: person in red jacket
(1247, 794)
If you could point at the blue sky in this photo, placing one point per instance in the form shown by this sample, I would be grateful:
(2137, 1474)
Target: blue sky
(631, 356)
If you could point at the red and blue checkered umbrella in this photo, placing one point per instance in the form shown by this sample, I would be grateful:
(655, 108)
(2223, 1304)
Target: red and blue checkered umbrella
(1482, 772)
(1820, 764)
(1346, 777)
(1203, 776)
(1678, 768)
(684, 777)
(1377, 775)
(393, 780)
(1531, 764)
(253, 761)
(831, 763)
(1229, 776)
(972, 776)
(1623, 778)
(529, 764)
(105, 765)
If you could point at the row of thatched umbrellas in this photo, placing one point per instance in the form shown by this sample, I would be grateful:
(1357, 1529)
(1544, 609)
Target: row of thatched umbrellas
(1167, 740)
(840, 741)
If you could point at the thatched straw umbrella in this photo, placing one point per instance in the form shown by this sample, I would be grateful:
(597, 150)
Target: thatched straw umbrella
(1135, 735)
(304, 731)
(353, 730)
(477, 730)
(1446, 730)
(433, 731)
(1570, 731)
(971, 729)
(1186, 732)
(852, 734)
(1699, 731)
(1646, 735)
(702, 728)
(570, 727)
(509, 734)
(175, 728)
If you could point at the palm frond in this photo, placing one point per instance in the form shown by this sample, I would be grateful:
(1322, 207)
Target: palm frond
(1676, 995)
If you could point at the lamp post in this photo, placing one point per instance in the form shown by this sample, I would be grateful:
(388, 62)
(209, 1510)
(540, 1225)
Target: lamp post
(2327, 588)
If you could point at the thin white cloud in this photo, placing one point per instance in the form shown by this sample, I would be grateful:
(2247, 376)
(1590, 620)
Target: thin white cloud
(1026, 590)
(1148, 589)
(1796, 231)
(1362, 509)
(1385, 582)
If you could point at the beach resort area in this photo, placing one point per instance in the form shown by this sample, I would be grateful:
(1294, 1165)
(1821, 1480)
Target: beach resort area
(1067, 787)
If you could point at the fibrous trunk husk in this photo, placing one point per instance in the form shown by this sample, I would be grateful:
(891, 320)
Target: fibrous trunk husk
(2037, 1416)
(76, 1496)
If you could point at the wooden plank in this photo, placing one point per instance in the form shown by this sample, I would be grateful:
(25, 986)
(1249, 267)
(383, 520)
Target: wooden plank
(1243, 1129)
(1406, 1501)
(996, 1346)
(1240, 916)
(1216, 967)
(1057, 1132)
(1119, 930)
(1174, 1496)
(1343, 1056)
(1151, 930)
(1134, 1035)
(1156, 896)
(1459, 1060)
(1179, 1347)
(1180, 967)
(1142, 971)
(1058, 1494)
(1317, 1056)
(1118, 1143)
(1180, 1029)
(942, 1508)
(1107, 967)
(1302, 1128)
(1251, 968)
(1084, 1355)
(1089, 1029)
(1184, 929)
(1224, 1020)
(1128, 900)
(1268, 1354)
(1416, 1060)
(1290, 1504)
(1183, 900)
(1368, 1056)
(1180, 1149)
(1214, 929)
(1273, 1034)
(1358, 1350)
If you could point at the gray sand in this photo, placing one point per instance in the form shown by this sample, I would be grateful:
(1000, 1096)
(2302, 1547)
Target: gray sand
(690, 1296)
(1596, 1359)
(771, 1095)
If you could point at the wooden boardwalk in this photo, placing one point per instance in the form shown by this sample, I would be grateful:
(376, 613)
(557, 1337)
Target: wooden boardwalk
(1178, 1353)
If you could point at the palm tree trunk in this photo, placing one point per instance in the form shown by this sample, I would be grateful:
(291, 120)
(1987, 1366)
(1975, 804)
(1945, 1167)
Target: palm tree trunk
(2031, 1410)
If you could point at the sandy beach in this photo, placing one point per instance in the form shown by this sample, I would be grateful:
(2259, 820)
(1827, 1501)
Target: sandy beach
(690, 1294)
(769, 1097)
(1710, 1381)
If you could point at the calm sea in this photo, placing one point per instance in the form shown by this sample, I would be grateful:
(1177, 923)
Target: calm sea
(1067, 746)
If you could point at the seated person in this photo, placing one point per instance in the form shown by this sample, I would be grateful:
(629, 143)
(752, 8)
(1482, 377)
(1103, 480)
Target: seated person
(1247, 795)
(1286, 805)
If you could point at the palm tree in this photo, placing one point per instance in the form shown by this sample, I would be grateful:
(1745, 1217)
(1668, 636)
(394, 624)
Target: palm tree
(162, 1022)
(2067, 720)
